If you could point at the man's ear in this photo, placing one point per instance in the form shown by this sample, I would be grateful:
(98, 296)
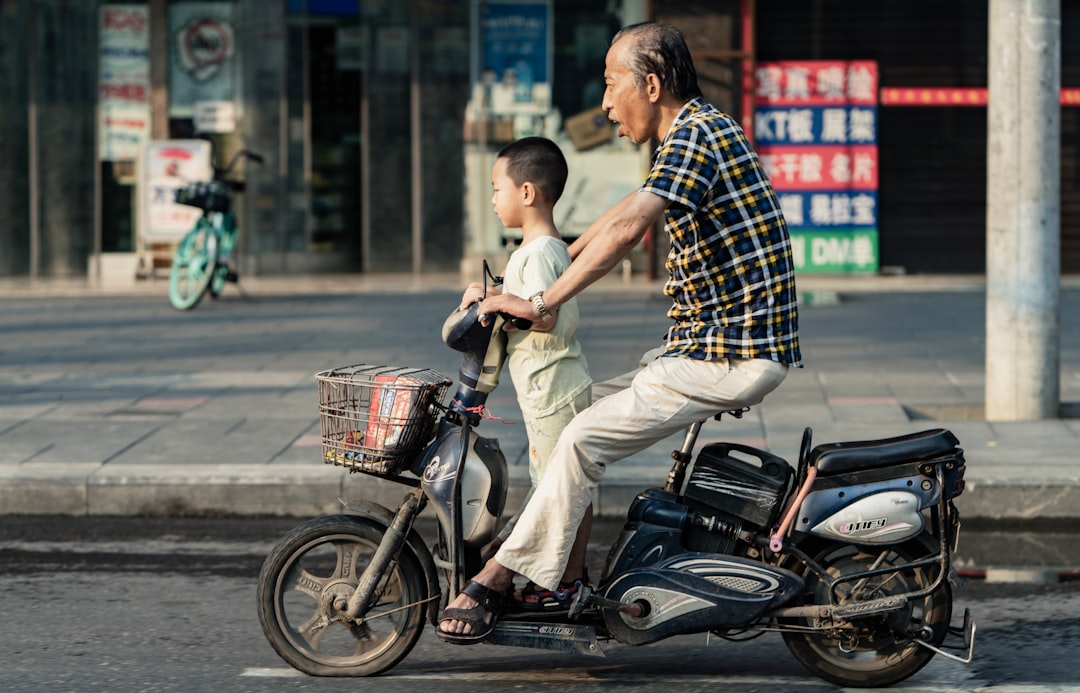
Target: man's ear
(652, 87)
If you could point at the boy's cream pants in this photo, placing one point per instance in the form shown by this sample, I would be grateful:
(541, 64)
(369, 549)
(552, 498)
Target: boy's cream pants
(664, 396)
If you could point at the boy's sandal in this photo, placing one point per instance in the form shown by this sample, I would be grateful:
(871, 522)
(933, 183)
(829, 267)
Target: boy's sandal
(488, 602)
(534, 598)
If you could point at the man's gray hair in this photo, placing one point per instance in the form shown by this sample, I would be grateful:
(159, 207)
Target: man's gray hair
(660, 49)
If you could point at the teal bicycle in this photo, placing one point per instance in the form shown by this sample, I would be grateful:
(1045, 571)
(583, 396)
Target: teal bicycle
(204, 258)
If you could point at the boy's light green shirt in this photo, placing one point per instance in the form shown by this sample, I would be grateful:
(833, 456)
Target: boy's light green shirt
(547, 368)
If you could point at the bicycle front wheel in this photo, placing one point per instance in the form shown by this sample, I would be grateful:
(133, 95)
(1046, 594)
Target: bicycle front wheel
(193, 266)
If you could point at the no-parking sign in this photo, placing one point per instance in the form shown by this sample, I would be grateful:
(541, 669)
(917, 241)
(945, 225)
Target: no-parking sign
(203, 50)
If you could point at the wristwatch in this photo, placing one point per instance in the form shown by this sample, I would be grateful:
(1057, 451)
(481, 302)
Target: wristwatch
(541, 307)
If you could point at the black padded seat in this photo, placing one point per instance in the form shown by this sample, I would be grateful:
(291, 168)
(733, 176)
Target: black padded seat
(840, 458)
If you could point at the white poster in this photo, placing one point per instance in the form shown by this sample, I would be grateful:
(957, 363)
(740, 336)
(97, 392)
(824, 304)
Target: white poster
(123, 81)
(166, 165)
(202, 55)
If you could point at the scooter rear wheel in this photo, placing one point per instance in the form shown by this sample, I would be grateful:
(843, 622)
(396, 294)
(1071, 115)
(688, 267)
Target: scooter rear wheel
(316, 566)
(877, 651)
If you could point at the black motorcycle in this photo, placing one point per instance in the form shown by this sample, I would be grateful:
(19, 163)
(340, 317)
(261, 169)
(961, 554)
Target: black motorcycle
(847, 555)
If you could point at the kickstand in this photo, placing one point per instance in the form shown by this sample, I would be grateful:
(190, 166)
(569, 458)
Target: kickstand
(239, 287)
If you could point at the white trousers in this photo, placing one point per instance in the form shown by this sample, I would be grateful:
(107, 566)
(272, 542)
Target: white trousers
(663, 397)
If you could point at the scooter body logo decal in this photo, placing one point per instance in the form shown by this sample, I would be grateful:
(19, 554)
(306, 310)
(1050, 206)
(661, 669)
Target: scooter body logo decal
(436, 471)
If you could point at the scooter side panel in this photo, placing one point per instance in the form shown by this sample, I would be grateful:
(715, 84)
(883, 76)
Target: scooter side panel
(879, 513)
(693, 593)
(483, 484)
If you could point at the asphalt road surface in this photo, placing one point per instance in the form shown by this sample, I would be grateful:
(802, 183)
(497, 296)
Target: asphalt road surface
(97, 604)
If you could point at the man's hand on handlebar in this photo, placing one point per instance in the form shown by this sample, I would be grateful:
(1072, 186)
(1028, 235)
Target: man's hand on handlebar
(518, 313)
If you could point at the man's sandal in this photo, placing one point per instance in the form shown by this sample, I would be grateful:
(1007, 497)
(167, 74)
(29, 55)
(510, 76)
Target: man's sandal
(488, 602)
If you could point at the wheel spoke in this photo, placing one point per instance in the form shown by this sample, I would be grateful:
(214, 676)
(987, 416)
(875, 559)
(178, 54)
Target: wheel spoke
(312, 630)
(391, 591)
(302, 581)
(346, 560)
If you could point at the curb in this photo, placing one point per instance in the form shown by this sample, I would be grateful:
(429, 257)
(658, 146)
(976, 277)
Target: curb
(1031, 576)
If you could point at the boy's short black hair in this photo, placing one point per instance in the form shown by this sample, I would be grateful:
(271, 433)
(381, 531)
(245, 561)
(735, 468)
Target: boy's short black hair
(539, 161)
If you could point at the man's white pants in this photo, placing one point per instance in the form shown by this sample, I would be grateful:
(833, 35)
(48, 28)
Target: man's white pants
(664, 396)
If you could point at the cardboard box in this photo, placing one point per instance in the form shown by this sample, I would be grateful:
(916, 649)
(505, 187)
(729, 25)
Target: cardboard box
(499, 131)
(589, 129)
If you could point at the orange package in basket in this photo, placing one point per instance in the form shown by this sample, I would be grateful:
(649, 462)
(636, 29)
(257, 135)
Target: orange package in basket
(390, 413)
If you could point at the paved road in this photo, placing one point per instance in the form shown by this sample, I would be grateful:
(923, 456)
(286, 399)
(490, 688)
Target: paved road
(119, 405)
(124, 604)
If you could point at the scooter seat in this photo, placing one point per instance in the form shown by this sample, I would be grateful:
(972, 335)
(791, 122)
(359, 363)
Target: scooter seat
(841, 458)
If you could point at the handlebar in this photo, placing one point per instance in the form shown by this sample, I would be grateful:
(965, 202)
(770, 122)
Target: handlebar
(219, 173)
(519, 323)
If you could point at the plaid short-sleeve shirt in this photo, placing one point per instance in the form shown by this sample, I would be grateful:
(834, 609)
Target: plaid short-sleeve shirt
(731, 273)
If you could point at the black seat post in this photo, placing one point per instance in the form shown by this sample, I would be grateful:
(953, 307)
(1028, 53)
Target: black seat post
(682, 458)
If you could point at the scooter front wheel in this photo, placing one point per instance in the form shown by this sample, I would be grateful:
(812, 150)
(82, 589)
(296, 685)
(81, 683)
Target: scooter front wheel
(313, 570)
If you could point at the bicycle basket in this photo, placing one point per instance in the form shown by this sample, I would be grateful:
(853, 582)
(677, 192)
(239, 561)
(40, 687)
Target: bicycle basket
(210, 195)
(374, 419)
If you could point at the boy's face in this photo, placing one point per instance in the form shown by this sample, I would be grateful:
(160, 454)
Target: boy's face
(508, 199)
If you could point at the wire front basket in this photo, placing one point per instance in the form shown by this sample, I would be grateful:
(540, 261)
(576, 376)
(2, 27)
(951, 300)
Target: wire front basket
(374, 419)
(211, 195)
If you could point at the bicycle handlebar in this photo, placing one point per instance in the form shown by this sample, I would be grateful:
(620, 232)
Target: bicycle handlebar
(247, 153)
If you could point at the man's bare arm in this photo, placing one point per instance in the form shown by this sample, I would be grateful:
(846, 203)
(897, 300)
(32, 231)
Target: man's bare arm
(608, 244)
(583, 240)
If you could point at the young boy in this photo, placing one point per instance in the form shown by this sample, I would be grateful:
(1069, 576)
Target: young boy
(546, 365)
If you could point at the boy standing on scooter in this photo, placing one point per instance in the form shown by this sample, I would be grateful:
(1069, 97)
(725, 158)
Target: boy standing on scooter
(733, 304)
(549, 372)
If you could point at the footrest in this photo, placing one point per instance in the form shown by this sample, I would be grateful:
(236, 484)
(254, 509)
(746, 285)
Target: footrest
(561, 637)
(868, 608)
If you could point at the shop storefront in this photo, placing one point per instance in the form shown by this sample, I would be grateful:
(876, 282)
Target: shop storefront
(369, 115)
(379, 119)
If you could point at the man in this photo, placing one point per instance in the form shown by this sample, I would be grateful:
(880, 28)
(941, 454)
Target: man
(732, 285)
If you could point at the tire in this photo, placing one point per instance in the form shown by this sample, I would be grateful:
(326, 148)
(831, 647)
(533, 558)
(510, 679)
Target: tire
(225, 248)
(318, 563)
(878, 651)
(193, 266)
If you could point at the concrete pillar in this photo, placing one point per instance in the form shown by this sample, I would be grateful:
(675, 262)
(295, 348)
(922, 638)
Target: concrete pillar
(1023, 211)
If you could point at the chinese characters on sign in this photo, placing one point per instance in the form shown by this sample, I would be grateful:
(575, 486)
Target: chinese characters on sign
(816, 129)
(123, 81)
(165, 167)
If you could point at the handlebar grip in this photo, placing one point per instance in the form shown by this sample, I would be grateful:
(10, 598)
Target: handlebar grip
(519, 323)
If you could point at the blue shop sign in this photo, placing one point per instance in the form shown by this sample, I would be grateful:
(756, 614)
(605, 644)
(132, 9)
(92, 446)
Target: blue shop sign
(815, 125)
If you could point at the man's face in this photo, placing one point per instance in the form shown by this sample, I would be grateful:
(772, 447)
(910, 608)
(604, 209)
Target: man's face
(627, 102)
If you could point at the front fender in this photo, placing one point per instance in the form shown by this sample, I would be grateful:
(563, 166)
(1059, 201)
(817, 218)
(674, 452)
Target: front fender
(385, 517)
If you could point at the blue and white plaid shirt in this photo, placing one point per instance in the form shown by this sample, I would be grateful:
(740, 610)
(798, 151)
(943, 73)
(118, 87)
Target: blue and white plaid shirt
(731, 273)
